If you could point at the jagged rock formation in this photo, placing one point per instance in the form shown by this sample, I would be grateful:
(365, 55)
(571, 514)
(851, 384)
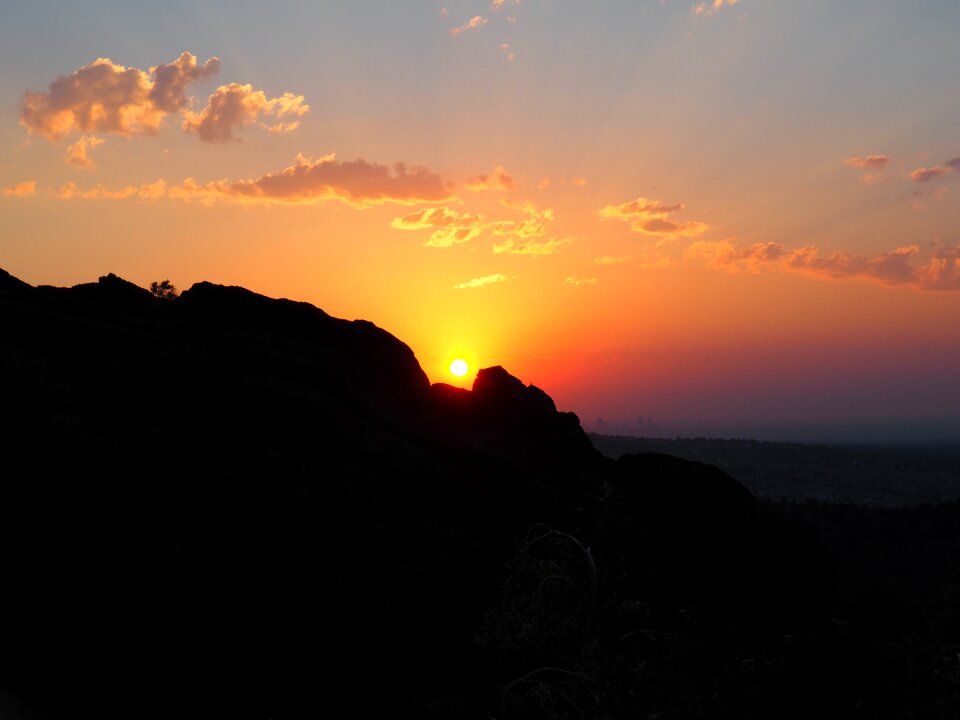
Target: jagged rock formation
(227, 505)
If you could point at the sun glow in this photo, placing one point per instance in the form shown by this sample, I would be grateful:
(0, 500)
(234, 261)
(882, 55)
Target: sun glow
(459, 368)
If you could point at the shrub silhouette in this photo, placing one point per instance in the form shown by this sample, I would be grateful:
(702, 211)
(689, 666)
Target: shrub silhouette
(165, 290)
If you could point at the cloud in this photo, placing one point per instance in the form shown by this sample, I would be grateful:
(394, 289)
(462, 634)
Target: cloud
(281, 127)
(358, 183)
(926, 174)
(499, 179)
(712, 6)
(170, 81)
(662, 227)
(641, 207)
(497, 5)
(724, 255)
(430, 218)
(454, 235)
(481, 281)
(355, 182)
(451, 227)
(21, 189)
(474, 23)
(868, 162)
(531, 247)
(611, 260)
(953, 164)
(76, 154)
(651, 217)
(940, 271)
(580, 281)
(530, 227)
(234, 105)
(519, 235)
(525, 229)
(109, 98)
(150, 191)
(527, 208)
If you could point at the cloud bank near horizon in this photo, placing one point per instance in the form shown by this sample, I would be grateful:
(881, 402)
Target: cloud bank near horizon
(940, 271)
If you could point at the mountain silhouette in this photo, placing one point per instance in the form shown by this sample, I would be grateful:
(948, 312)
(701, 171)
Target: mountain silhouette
(227, 505)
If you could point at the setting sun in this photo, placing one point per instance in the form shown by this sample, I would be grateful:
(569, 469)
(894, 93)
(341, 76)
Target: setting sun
(459, 367)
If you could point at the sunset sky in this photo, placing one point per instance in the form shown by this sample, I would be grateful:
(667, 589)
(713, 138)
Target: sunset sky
(727, 215)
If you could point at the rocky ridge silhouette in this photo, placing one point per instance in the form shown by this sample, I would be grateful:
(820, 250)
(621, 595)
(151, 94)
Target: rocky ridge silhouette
(226, 505)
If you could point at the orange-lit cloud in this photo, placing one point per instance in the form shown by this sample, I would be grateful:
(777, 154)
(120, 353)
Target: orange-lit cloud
(662, 227)
(76, 154)
(481, 281)
(712, 6)
(450, 227)
(524, 230)
(431, 218)
(868, 162)
(499, 4)
(641, 207)
(21, 189)
(281, 127)
(724, 255)
(453, 228)
(579, 281)
(234, 105)
(527, 208)
(170, 81)
(519, 235)
(357, 183)
(531, 247)
(150, 191)
(109, 98)
(941, 271)
(474, 23)
(611, 260)
(926, 174)
(651, 218)
(106, 97)
(499, 179)
(454, 235)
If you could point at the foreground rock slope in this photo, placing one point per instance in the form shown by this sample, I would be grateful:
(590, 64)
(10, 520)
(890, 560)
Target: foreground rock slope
(225, 505)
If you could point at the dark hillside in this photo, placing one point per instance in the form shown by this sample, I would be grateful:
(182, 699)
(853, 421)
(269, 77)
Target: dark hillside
(225, 505)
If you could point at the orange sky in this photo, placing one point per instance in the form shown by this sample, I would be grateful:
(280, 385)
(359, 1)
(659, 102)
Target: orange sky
(703, 213)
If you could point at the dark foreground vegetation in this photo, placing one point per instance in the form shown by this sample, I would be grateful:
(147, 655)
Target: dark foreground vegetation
(221, 505)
